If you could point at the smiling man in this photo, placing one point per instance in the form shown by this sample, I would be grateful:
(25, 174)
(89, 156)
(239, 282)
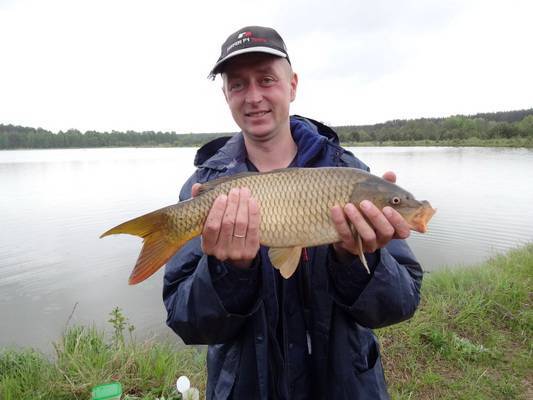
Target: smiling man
(309, 336)
(259, 89)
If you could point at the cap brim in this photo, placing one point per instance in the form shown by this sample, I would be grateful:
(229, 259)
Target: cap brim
(255, 49)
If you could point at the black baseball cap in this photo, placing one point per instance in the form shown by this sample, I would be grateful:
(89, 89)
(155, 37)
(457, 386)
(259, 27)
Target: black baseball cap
(250, 39)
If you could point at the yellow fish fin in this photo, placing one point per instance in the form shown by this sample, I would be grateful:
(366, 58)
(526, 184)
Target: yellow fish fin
(286, 259)
(156, 251)
(141, 226)
(158, 246)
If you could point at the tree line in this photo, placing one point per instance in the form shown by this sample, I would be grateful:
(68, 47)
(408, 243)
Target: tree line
(19, 137)
(500, 125)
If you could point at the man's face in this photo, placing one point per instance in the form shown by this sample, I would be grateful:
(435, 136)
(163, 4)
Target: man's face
(259, 89)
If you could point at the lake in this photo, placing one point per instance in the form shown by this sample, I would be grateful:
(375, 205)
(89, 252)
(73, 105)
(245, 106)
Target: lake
(54, 204)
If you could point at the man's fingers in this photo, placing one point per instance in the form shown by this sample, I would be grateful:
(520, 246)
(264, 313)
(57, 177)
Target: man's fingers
(343, 229)
(402, 229)
(375, 227)
(363, 227)
(213, 223)
(195, 189)
(238, 235)
(252, 235)
(241, 219)
(231, 230)
(384, 231)
(228, 225)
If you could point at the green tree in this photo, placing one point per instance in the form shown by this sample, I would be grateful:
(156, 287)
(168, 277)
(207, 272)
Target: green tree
(525, 126)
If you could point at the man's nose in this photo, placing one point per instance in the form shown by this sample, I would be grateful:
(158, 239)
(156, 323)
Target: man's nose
(254, 93)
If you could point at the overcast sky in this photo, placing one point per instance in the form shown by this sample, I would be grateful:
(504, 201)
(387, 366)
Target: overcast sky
(142, 65)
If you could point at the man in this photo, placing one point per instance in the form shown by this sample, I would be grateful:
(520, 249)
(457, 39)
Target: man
(307, 337)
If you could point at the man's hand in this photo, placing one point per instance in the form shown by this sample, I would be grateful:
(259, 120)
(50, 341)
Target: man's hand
(375, 227)
(231, 230)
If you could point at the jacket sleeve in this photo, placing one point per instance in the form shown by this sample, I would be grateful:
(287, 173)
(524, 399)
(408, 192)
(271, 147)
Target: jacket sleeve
(390, 294)
(207, 301)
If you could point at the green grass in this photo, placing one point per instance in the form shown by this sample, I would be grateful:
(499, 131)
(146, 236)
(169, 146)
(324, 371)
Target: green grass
(86, 357)
(470, 339)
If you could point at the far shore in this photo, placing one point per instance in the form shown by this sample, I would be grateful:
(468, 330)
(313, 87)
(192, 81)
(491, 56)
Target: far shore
(471, 142)
(526, 142)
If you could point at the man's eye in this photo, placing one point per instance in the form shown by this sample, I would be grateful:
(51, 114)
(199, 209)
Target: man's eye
(235, 86)
(267, 80)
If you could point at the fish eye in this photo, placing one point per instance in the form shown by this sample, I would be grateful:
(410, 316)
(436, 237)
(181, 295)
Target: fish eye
(395, 200)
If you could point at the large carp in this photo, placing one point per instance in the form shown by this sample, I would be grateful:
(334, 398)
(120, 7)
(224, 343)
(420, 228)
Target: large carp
(295, 206)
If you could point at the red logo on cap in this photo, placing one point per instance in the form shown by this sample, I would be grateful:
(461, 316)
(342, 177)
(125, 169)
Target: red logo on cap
(244, 34)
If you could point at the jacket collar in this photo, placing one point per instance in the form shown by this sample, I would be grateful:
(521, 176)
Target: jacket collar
(229, 153)
(222, 153)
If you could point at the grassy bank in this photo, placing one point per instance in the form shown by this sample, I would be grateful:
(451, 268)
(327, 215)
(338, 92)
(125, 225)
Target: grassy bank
(470, 339)
(86, 357)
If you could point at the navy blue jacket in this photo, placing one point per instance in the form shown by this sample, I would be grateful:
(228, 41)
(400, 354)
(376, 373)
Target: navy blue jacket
(308, 337)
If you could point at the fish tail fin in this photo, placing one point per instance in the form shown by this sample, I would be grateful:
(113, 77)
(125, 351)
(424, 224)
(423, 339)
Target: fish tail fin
(156, 251)
(159, 245)
(141, 226)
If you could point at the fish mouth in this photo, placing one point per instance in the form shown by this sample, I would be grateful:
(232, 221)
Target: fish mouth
(421, 218)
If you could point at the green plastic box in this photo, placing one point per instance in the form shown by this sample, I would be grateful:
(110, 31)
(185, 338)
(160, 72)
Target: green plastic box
(109, 391)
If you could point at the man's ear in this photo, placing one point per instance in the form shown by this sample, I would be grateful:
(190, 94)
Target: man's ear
(224, 91)
(223, 76)
(294, 85)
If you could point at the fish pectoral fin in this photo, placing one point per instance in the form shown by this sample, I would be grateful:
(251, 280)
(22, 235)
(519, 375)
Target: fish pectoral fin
(360, 251)
(361, 254)
(285, 259)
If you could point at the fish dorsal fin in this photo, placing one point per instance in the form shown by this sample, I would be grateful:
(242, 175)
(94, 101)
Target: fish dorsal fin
(210, 185)
(285, 259)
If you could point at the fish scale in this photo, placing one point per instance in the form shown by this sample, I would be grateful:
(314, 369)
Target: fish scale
(294, 207)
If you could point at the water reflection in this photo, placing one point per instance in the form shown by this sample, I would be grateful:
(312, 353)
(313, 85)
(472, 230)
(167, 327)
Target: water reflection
(55, 203)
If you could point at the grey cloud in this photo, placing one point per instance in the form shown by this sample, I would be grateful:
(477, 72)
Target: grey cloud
(364, 39)
(359, 17)
(365, 57)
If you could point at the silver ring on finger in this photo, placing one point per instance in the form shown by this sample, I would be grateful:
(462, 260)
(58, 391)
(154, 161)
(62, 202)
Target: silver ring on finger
(239, 236)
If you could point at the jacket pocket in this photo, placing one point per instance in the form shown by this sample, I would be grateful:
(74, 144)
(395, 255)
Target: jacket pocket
(370, 385)
(366, 357)
(367, 382)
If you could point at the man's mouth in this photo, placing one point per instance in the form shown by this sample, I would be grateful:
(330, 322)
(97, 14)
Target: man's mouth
(257, 114)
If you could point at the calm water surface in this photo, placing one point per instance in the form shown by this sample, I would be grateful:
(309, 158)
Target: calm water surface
(55, 203)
